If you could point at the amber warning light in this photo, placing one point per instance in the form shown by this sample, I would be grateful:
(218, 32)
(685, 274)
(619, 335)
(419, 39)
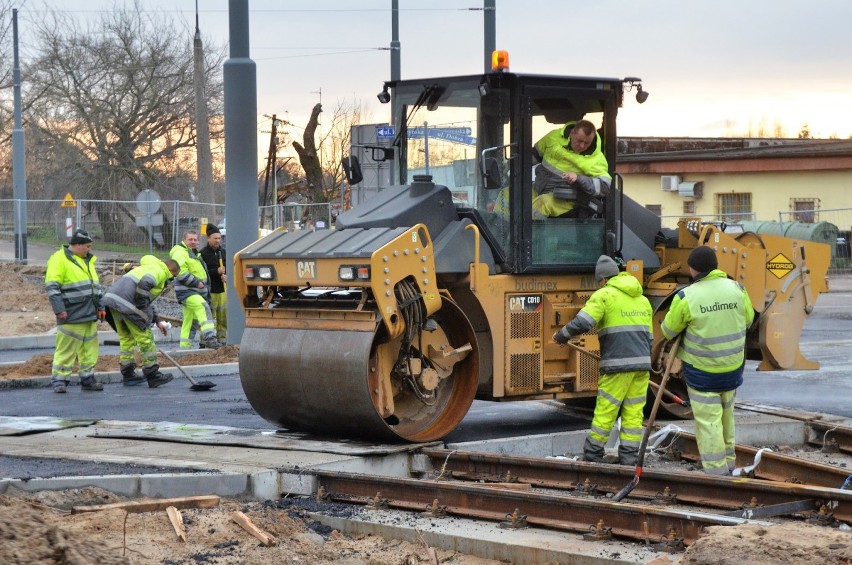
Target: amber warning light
(500, 60)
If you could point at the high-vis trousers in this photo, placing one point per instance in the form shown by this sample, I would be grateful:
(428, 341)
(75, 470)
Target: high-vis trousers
(131, 337)
(196, 309)
(75, 342)
(220, 311)
(714, 429)
(623, 393)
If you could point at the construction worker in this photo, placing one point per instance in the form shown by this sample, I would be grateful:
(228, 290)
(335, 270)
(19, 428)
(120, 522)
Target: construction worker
(214, 258)
(570, 157)
(130, 301)
(715, 311)
(75, 294)
(193, 293)
(622, 316)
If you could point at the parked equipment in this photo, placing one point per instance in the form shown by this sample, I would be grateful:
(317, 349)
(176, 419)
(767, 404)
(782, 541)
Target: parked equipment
(446, 287)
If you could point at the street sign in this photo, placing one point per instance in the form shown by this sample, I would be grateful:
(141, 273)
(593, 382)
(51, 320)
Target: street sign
(69, 201)
(148, 201)
(385, 132)
(149, 220)
(434, 132)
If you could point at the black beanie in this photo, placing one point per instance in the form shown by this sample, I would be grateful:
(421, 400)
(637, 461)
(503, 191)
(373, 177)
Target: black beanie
(703, 259)
(80, 236)
(211, 229)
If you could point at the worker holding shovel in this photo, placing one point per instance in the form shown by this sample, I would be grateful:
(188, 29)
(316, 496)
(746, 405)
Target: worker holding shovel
(622, 316)
(715, 313)
(131, 313)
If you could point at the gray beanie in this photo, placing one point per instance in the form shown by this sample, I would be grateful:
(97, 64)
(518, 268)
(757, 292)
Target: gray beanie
(703, 259)
(605, 268)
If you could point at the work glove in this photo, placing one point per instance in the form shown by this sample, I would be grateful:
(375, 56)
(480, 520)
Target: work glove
(560, 338)
(102, 315)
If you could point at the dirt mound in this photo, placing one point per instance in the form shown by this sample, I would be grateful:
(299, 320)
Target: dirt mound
(25, 308)
(793, 543)
(35, 535)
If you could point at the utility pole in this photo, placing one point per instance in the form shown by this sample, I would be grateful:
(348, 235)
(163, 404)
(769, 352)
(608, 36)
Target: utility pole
(19, 158)
(271, 158)
(204, 160)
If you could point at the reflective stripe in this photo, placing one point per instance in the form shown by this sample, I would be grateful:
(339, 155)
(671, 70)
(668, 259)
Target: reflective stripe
(717, 471)
(625, 361)
(701, 399)
(713, 353)
(599, 431)
(714, 340)
(714, 456)
(619, 329)
(609, 397)
(629, 442)
(635, 400)
(75, 335)
(632, 431)
(595, 442)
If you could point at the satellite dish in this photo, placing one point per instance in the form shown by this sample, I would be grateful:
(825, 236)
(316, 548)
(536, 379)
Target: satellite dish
(148, 201)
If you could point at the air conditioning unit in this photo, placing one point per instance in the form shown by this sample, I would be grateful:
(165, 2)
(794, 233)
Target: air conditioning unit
(669, 183)
(691, 189)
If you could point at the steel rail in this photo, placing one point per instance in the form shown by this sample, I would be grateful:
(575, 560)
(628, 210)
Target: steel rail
(550, 511)
(773, 466)
(830, 436)
(658, 486)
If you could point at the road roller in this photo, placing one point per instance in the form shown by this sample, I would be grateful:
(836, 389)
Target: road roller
(446, 286)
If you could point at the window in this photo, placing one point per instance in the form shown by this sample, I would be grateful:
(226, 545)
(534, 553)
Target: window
(733, 207)
(689, 207)
(655, 208)
(805, 209)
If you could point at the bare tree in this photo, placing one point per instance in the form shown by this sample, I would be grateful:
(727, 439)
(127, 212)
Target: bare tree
(325, 176)
(114, 105)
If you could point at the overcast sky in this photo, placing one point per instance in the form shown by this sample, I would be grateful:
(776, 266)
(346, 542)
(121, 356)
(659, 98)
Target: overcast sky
(720, 68)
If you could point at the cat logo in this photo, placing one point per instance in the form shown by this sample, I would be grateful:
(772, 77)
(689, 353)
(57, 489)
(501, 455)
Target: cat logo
(780, 266)
(306, 269)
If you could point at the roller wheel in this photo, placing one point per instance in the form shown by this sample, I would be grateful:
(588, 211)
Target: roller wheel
(333, 382)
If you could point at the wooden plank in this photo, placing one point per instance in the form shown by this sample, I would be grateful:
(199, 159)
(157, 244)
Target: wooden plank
(177, 522)
(137, 506)
(246, 524)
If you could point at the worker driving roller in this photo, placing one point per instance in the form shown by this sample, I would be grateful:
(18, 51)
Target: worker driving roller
(573, 174)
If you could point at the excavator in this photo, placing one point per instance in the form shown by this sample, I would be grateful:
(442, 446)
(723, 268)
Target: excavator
(447, 287)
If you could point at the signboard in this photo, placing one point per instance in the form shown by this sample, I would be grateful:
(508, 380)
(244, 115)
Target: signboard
(455, 135)
(148, 201)
(69, 201)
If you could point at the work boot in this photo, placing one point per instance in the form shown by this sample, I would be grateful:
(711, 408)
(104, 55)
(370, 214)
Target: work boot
(211, 343)
(129, 376)
(59, 389)
(628, 456)
(593, 453)
(90, 384)
(155, 377)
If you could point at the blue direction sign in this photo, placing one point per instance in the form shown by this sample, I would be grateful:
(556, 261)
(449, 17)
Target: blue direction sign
(384, 132)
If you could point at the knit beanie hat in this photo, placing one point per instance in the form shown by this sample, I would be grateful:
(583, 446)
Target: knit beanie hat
(605, 268)
(80, 236)
(211, 229)
(703, 259)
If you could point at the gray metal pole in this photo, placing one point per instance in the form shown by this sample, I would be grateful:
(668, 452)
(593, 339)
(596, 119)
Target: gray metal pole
(241, 194)
(396, 70)
(490, 17)
(19, 156)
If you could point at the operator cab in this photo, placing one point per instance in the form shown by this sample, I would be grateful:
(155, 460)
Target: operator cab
(475, 135)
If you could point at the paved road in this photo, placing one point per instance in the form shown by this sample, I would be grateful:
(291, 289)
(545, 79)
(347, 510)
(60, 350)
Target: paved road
(827, 338)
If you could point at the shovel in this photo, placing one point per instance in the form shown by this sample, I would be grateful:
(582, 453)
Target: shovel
(196, 385)
(628, 488)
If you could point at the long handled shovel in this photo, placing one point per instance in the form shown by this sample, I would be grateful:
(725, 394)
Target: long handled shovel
(628, 488)
(196, 385)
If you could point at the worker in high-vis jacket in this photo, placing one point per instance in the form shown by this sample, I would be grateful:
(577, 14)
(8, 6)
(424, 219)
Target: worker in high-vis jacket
(570, 157)
(622, 316)
(131, 307)
(75, 293)
(192, 289)
(715, 312)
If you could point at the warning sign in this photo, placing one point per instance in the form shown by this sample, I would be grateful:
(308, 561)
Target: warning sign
(69, 201)
(780, 266)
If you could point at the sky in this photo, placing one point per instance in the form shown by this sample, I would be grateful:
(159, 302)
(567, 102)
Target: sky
(721, 68)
